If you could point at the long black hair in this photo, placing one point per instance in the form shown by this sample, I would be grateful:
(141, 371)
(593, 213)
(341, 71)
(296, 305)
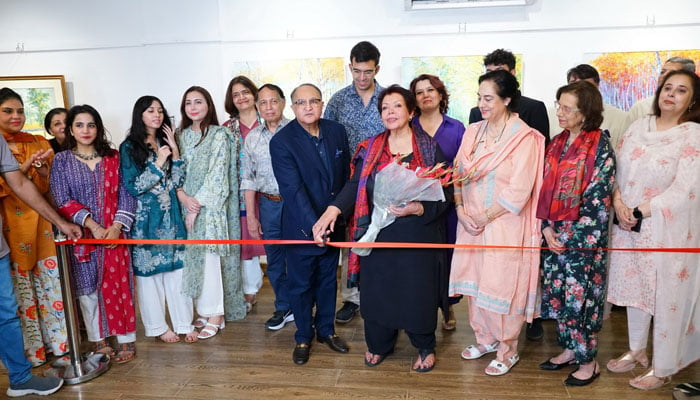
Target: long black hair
(101, 143)
(137, 133)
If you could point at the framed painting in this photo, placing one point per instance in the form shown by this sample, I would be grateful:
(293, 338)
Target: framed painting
(40, 94)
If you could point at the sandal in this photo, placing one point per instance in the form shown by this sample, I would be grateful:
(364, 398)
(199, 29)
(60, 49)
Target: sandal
(649, 381)
(191, 337)
(103, 347)
(250, 301)
(127, 352)
(379, 360)
(169, 337)
(500, 367)
(199, 323)
(210, 330)
(450, 322)
(422, 355)
(472, 352)
(686, 390)
(628, 361)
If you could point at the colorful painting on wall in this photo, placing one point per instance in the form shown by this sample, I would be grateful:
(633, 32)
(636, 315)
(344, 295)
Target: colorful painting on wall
(39, 94)
(460, 75)
(626, 77)
(326, 73)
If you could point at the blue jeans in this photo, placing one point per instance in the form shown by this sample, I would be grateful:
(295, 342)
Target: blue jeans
(271, 222)
(11, 341)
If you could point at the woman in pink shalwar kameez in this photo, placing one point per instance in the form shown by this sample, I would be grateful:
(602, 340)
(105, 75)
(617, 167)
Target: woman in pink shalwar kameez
(657, 205)
(497, 207)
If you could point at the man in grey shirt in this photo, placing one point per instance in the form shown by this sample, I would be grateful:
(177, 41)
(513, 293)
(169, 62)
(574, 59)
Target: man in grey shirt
(22, 382)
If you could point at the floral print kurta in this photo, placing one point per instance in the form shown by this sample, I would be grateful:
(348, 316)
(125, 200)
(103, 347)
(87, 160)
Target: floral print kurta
(661, 167)
(573, 290)
(211, 176)
(158, 214)
(33, 262)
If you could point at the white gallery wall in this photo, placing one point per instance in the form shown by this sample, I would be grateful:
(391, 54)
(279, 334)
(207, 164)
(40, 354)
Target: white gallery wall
(112, 52)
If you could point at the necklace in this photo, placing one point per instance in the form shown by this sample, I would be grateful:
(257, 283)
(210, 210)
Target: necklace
(496, 138)
(484, 131)
(86, 157)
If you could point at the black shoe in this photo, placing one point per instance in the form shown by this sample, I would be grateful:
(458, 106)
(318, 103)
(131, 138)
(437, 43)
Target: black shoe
(279, 319)
(534, 330)
(335, 343)
(347, 312)
(301, 352)
(550, 366)
(571, 380)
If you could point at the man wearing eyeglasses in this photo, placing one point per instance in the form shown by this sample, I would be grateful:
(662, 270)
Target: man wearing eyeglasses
(311, 162)
(532, 111)
(261, 190)
(355, 106)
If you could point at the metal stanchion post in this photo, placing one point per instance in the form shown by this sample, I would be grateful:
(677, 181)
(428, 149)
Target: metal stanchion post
(82, 368)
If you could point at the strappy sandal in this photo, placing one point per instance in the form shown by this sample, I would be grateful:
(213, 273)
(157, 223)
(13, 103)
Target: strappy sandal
(127, 352)
(103, 347)
(191, 337)
(199, 323)
(500, 367)
(422, 355)
(450, 322)
(169, 337)
(472, 352)
(649, 381)
(628, 361)
(210, 330)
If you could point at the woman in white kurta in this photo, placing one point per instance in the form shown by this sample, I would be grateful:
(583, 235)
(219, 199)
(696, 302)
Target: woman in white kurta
(657, 207)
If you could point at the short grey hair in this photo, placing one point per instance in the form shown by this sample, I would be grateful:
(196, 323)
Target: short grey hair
(320, 95)
(687, 63)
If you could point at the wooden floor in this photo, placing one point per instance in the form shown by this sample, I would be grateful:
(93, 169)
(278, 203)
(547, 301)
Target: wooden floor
(245, 361)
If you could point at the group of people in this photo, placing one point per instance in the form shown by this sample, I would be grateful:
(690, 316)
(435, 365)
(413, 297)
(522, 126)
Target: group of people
(261, 175)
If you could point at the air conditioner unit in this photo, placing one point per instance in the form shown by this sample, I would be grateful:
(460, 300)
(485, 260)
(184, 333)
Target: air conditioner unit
(449, 4)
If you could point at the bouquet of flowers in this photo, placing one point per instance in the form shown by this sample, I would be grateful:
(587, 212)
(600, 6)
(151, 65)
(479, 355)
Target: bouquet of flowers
(397, 185)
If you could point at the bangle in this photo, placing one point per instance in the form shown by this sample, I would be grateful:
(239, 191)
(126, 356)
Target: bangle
(457, 205)
(489, 217)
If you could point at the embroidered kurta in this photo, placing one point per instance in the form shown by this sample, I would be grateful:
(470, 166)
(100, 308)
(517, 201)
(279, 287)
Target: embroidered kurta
(661, 167)
(158, 213)
(80, 192)
(510, 173)
(573, 289)
(211, 176)
(33, 262)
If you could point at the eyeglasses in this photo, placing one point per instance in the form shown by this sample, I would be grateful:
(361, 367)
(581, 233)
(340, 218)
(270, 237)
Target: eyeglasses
(366, 72)
(564, 109)
(272, 102)
(304, 102)
(242, 93)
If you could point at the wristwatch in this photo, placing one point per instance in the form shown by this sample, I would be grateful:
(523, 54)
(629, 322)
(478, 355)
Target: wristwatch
(637, 214)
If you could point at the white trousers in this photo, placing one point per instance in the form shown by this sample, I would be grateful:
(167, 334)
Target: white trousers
(638, 324)
(353, 294)
(210, 302)
(252, 275)
(154, 292)
(91, 316)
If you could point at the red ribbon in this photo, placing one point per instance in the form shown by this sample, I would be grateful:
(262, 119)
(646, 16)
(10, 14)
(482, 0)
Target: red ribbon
(373, 245)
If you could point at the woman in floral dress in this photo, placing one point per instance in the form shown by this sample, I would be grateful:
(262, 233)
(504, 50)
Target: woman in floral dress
(30, 237)
(657, 194)
(574, 207)
(152, 170)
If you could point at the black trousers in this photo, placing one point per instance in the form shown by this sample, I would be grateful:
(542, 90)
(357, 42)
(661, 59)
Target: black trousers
(381, 340)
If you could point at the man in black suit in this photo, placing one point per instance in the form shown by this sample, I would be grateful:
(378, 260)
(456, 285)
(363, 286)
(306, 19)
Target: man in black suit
(311, 162)
(532, 111)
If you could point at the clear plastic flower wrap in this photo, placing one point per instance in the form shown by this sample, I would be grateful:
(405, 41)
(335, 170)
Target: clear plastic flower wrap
(397, 185)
